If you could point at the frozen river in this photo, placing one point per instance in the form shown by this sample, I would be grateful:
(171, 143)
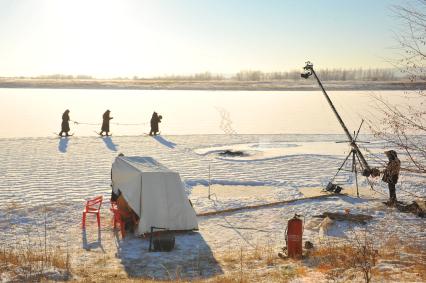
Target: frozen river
(37, 112)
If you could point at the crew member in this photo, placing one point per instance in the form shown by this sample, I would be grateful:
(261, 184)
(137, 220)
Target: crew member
(391, 174)
(65, 126)
(154, 124)
(105, 123)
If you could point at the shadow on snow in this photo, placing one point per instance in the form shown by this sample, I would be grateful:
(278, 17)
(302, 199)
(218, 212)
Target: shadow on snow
(109, 143)
(165, 142)
(94, 244)
(191, 258)
(63, 144)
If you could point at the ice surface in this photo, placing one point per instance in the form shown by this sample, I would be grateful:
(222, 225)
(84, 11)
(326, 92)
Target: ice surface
(37, 112)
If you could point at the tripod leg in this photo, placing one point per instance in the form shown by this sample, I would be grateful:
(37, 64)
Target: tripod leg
(355, 172)
(368, 180)
(341, 166)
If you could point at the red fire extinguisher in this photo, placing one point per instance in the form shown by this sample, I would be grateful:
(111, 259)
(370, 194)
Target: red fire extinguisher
(293, 237)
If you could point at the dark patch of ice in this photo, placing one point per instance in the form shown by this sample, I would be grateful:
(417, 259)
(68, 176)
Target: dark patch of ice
(232, 153)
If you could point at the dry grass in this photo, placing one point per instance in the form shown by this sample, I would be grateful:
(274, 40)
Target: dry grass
(329, 256)
(264, 255)
(21, 257)
(255, 264)
(392, 261)
(333, 259)
(391, 248)
(245, 264)
(26, 263)
(411, 257)
(301, 271)
(260, 263)
(103, 274)
(102, 261)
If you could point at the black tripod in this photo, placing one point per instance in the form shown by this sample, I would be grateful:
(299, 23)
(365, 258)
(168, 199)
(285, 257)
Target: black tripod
(355, 160)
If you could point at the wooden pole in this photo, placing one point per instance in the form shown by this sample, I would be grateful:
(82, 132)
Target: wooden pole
(209, 180)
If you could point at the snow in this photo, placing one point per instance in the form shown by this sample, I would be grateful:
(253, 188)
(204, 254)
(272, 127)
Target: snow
(44, 181)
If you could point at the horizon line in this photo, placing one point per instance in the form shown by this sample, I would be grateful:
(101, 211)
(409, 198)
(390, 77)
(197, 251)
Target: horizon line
(222, 75)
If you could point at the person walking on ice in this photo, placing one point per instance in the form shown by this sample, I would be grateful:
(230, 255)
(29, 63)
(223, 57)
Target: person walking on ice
(154, 124)
(391, 174)
(105, 123)
(65, 126)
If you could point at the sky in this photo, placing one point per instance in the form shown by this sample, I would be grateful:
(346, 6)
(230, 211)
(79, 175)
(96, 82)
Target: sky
(106, 38)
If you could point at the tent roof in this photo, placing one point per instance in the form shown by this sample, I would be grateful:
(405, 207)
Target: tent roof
(145, 164)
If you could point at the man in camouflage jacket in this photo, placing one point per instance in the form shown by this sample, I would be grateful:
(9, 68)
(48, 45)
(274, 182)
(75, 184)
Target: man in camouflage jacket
(391, 173)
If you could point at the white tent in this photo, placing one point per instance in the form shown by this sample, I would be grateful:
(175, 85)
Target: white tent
(154, 192)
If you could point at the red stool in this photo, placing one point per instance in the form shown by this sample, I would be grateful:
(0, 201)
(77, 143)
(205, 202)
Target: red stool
(93, 206)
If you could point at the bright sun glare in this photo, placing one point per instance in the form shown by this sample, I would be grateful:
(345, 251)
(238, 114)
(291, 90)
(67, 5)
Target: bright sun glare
(146, 38)
(102, 38)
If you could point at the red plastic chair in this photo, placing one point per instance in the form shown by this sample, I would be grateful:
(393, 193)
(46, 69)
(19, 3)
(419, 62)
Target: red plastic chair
(93, 206)
(116, 218)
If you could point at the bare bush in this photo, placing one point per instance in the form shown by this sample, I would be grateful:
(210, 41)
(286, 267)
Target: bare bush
(358, 254)
(404, 126)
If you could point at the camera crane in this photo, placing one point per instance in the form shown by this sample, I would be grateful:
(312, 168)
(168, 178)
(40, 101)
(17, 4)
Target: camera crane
(357, 155)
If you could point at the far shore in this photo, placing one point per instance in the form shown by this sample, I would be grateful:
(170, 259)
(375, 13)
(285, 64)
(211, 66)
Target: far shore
(159, 84)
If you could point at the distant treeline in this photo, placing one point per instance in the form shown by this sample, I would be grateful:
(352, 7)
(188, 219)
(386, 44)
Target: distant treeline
(206, 76)
(324, 74)
(253, 75)
(63, 77)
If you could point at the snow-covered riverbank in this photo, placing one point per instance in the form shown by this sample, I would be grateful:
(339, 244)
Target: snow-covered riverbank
(44, 181)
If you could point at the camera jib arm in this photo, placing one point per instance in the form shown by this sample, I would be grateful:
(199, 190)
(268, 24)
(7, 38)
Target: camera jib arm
(309, 70)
